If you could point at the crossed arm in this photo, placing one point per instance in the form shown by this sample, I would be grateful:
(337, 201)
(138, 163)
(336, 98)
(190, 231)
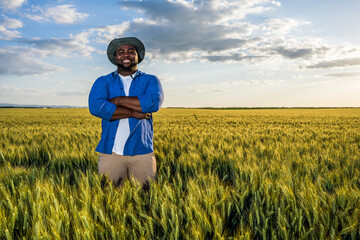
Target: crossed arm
(127, 107)
(139, 107)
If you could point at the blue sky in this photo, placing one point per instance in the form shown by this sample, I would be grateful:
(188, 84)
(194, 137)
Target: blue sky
(216, 53)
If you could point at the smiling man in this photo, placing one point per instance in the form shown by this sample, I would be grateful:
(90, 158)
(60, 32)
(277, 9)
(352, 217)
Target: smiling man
(125, 100)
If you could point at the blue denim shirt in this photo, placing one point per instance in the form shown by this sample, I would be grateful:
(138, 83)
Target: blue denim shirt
(149, 91)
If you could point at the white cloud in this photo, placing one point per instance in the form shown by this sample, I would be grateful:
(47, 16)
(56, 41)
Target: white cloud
(11, 4)
(65, 14)
(6, 34)
(38, 18)
(7, 26)
(207, 26)
(312, 84)
(28, 92)
(29, 60)
(11, 23)
(62, 14)
(226, 86)
(257, 82)
(343, 74)
(165, 77)
(222, 30)
(103, 34)
(281, 25)
(71, 92)
(183, 31)
(297, 76)
(304, 52)
(69, 47)
(88, 82)
(344, 62)
(215, 30)
(276, 3)
(23, 61)
(32, 92)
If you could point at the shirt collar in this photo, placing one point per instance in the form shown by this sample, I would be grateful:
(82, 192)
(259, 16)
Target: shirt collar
(137, 73)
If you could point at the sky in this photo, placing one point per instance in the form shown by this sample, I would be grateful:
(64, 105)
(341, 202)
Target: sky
(215, 53)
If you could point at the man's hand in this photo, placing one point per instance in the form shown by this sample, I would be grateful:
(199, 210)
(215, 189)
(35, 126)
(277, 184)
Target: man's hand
(138, 115)
(115, 100)
(122, 112)
(128, 107)
(131, 103)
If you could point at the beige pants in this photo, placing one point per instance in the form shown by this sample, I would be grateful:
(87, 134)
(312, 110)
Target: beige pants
(117, 167)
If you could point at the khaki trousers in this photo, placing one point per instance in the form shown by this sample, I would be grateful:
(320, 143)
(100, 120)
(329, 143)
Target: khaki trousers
(117, 167)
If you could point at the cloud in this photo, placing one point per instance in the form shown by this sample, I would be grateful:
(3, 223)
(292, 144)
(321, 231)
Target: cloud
(71, 92)
(6, 34)
(293, 53)
(62, 14)
(32, 92)
(253, 82)
(183, 31)
(345, 62)
(215, 30)
(102, 34)
(207, 90)
(11, 23)
(312, 84)
(85, 81)
(226, 86)
(60, 47)
(7, 26)
(165, 77)
(300, 48)
(28, 92)
(11, 4)
(211, 11)
(21, 61)
(281, 25)
(343, 74)
(29, 58)
(204, 28)
(217, 91)
(234, 57)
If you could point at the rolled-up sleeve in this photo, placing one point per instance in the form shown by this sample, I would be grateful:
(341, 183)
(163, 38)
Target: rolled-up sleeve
(153, 98)
(99, 105)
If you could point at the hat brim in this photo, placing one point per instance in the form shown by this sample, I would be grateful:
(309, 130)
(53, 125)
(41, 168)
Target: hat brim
(117, 42)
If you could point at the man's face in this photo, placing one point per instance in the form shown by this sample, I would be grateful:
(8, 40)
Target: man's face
(126, 56)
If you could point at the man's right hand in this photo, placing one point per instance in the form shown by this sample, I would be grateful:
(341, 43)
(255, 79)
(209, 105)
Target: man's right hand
(138, 115)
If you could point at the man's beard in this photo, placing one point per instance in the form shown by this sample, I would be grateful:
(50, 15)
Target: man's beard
(131, 66)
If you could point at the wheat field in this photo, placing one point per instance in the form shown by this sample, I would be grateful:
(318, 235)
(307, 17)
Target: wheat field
(222, 174)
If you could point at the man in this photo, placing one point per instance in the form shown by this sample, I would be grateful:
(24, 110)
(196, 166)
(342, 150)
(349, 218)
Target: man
(124, 100)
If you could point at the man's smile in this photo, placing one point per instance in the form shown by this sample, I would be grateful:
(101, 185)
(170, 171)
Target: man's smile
(127, 59)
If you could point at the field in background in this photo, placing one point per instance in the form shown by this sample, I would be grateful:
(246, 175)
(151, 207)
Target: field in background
(222, 174)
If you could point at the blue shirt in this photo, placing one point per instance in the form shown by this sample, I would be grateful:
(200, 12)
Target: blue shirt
(150, 94)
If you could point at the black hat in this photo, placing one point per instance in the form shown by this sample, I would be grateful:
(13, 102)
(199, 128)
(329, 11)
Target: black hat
(117, 42)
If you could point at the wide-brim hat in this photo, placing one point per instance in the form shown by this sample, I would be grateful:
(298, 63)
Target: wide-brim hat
(117, 42)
